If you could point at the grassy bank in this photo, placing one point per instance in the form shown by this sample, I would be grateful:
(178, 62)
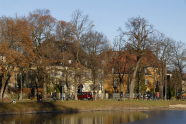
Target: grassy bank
(27, 105)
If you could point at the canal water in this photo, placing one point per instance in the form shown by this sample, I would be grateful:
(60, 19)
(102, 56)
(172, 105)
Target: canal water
(98, 117)
(163, 117)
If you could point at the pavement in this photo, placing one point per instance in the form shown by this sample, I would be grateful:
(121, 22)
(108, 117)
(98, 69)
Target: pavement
(178, 106)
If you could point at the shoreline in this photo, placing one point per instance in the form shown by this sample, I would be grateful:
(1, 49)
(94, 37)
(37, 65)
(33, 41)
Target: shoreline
(69, 111)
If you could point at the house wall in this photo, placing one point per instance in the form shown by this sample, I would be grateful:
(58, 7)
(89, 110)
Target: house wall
(109, 80)
(150, 78)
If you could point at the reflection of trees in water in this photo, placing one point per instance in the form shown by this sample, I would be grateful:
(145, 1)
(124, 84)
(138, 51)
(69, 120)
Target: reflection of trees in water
(103, 117)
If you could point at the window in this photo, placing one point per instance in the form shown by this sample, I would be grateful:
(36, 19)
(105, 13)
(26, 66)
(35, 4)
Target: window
(71, 87)
(100, 75)
(146, 81)
(3, 58)
(115, 82)
(84, 93)
(57, 73)
(100, 87)
(70, 61)
(86, 86)
(113, 70)
(158, 83)
(145, 70)
(91, 87)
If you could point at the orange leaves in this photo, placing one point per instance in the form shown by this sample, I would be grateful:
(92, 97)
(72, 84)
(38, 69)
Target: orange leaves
(15, 41)
(64, 31)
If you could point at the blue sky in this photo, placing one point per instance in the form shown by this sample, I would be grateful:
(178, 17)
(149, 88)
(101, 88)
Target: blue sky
(167, 16)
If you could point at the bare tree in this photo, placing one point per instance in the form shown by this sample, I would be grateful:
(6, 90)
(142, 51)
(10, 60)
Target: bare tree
(81, 24)
(164, 55)
(93, 43)
(138, 31)
(178, 62)
(120, 63)
(41, 26)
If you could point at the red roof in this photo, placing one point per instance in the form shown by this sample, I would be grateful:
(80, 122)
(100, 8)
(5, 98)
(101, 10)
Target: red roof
(126, 60)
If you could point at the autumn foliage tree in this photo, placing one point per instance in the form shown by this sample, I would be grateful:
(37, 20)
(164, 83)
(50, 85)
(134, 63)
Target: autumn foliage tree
(16, 47)
(41, 27)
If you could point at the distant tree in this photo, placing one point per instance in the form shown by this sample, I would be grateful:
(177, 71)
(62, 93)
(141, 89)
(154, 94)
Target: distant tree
(41, 27)
(164, 54)
(93, 43)
(81, 24)
(64, 31)
(140, 86)
(15, 48)
(138, 31)
(178, 62)
(121, 61)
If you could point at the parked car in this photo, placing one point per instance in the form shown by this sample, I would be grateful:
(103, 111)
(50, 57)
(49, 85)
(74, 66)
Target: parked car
(85, 96)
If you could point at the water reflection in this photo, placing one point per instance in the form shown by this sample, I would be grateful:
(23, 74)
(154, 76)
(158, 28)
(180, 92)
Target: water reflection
(103, 117)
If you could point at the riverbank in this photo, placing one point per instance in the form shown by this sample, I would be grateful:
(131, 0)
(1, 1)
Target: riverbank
(28, 106)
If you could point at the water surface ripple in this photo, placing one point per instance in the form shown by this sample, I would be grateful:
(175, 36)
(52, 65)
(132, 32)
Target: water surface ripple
(163, 117)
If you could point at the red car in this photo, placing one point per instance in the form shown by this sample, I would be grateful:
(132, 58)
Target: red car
(85, 96)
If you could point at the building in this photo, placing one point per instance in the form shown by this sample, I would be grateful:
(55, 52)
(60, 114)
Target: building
(120, 67)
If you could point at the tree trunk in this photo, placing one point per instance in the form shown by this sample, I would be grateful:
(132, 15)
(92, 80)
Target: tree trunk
(44, 88)
(132, 84)
(139, 88)
(175, 92)
(2, 90)
(68, 92)
(75, 92)
(3, 86)
(154, 80)
(104, 96)
(128, 86)
(165, 73)
(161, 83)
(94, 89)
(35, 88)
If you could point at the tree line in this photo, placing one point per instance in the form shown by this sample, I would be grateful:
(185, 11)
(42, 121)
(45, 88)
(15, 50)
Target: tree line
(39, 40)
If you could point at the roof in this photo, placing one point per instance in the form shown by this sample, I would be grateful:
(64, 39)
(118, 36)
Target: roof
(126, 60)
(184, 76)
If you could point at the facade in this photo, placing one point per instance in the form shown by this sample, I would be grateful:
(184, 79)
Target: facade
(120, 67)
(112, 81)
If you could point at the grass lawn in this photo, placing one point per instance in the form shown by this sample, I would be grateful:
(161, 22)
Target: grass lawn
(28, 105)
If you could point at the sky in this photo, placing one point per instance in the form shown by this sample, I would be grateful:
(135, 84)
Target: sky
(167, 16)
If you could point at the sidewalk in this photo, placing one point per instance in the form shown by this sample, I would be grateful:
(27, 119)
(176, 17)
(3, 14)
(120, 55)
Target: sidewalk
(177, 106)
